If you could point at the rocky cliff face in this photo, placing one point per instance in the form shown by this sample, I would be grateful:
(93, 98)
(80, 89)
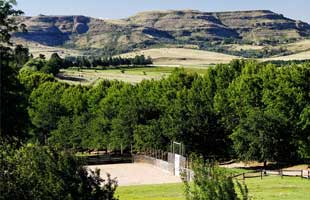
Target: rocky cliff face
(162, 27)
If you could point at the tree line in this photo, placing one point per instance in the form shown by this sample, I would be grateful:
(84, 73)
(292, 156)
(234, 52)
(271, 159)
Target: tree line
(245, 109)
(55, 62)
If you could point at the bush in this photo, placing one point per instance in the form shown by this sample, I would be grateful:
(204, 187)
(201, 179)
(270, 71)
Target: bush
(36, 172)
(212, 183)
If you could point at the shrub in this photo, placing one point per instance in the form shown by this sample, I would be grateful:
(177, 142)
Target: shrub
(211, 182)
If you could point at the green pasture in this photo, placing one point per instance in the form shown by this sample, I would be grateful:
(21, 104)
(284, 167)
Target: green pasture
(270, 188)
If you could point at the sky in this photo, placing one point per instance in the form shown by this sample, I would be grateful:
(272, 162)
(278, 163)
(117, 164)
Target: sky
(115, 9)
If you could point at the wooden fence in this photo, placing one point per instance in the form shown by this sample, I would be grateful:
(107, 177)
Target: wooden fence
(262, 173)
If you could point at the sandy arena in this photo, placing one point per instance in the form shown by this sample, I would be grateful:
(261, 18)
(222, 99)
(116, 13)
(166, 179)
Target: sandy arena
(136, 174)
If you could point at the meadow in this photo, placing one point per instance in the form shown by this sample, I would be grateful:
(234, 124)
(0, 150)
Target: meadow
(270, 188)
(129, 75)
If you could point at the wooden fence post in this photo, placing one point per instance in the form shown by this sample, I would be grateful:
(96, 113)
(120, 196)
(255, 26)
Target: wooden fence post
(261, 174)
(281, 171)
(243, 176)
(301, 173)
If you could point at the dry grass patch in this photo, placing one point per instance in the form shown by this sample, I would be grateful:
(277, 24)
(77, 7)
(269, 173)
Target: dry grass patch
(297, 56)
(180, 56)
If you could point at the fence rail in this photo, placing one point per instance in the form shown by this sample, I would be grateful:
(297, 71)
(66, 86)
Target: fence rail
(262, 173)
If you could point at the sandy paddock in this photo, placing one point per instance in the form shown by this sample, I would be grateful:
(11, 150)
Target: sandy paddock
(136, 174)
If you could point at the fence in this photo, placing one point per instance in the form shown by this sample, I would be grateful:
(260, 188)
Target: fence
(108, 159)
(262, 173)
(171, 163)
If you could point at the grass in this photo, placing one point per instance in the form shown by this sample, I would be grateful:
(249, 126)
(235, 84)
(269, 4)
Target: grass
(181, 56)
(270, 188)
(151, 192)
(131, 75)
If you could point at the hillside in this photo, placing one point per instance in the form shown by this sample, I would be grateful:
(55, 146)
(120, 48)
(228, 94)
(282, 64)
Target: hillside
(205, 30)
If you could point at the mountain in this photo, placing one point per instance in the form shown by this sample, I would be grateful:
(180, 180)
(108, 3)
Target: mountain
(161, 28)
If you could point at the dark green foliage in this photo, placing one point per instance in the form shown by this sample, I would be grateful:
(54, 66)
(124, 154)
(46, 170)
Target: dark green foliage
(13, 115)
(106, 62)
(35, 64)
(7, 22)
(53, 65)
(211, 182)
(45, 108)
(246, 109)
(34, 172)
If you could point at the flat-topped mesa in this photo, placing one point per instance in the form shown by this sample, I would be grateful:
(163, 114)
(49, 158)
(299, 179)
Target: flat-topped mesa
(53, 30)
(163, 27)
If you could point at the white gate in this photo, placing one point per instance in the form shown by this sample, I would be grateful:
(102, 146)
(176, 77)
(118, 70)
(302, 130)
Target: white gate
(177, 165)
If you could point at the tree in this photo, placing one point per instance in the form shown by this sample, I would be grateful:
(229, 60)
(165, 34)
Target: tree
(35, 64)
(37, 172)
(45, 109)
(7, 20)
(53, 65)
(13, 103)
(21, 55)
(262, 136)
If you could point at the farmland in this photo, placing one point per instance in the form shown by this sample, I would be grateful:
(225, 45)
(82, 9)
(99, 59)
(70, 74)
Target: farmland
(179, 56)
(130, 75)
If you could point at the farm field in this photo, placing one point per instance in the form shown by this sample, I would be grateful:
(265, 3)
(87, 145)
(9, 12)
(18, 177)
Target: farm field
(179, 56)
(36, 49)
(270, 188)
(130, 75)
(297, 56)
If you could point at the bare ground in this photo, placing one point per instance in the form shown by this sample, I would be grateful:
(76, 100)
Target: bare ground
(136, 174)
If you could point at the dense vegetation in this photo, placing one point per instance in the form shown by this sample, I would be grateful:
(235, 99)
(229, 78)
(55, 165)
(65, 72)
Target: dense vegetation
(254, 111)
(31, 171)
(245, 109)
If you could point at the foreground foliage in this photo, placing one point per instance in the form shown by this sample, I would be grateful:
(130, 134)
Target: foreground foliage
(211, 182)
(34, 172)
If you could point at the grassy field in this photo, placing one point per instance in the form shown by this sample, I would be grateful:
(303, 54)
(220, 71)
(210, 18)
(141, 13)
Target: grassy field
(131, 75)
(270, 188)
(36, 49)
(179, 56)
(297, 56)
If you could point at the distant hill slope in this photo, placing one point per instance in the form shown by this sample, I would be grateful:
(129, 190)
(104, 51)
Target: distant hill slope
(160, 28)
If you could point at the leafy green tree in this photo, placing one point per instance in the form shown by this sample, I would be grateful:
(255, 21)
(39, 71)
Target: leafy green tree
(36, 172)
(45, 108)
(53, 65)
(262, 136)
(32, 80)
(35, 64)
(304, 144)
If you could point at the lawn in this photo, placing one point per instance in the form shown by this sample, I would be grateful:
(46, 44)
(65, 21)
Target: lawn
(270, 188)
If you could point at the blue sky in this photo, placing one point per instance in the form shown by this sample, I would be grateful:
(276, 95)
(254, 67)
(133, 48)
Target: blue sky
(296, 9)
